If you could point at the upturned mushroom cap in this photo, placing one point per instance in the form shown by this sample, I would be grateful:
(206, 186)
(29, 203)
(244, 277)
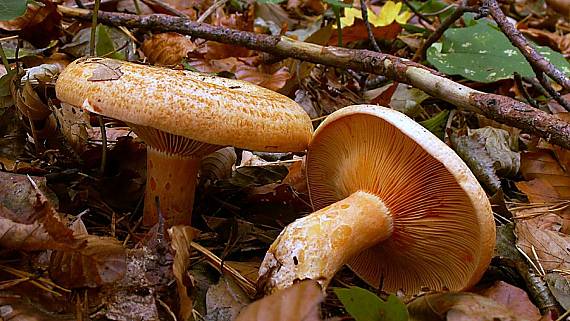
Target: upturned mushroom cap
(443, 230)
(205, 108)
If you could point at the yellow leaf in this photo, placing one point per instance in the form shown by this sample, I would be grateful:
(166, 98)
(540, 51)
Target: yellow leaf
(404, 17)
(349, 15)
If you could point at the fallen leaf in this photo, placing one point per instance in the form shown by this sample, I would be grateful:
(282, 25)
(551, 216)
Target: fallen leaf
(542, 164)
(167, 48)
(181, 236)
(299, 302)
(224, 300)
(101, 261)
(500, 147)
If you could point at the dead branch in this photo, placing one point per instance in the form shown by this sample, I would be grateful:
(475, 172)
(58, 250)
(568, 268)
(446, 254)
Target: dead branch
(500, 108)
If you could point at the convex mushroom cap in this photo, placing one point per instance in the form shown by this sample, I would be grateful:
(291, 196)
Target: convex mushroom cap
(182, 116)
(394, 203)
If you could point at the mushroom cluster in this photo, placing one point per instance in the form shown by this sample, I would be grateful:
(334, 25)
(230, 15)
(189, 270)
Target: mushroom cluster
(182, 116)
(393, 202)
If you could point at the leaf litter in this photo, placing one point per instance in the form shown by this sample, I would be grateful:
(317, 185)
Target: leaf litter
(72, 239)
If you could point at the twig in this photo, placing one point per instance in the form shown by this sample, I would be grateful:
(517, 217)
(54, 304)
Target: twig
(371, 38)
(211, 10)
(416, 12)
(518, 40)
(545, 83)
(166, 7)
(421, 53)
(522, 88)
(499, 108)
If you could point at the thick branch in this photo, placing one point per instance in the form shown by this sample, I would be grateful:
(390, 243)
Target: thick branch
(500, 108)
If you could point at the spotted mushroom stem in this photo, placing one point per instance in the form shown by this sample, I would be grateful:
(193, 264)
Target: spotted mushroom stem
(318, 245)
(171, 178)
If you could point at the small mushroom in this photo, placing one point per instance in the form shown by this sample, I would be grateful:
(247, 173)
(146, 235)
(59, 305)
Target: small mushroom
(393, 202)
(183, 116)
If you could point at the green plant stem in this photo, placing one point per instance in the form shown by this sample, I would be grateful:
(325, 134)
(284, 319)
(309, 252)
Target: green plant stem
(99, 117)
(336, 11)
(5, 59)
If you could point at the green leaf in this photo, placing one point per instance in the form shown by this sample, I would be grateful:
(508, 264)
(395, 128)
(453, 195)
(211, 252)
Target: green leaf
(105, 46)
(436, 123)
(364, 305)
(12, 9)
(484, 54)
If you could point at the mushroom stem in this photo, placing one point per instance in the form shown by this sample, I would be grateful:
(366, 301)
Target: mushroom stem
(318, 245)
(172, 179)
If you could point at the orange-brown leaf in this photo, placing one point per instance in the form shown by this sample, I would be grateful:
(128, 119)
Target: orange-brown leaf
(167, 48)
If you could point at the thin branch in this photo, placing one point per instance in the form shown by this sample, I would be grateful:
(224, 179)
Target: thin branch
(518, 40)
(417, 13)
(543, 80)
(166, 7)
(522, 88)
(371, 38)
(499, 108)
(434, 37)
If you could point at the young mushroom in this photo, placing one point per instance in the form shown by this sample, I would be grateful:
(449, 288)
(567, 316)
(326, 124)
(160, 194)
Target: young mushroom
(394, 203)
(182, 116)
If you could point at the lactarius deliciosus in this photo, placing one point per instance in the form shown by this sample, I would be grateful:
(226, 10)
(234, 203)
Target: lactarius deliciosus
(394, 203)
(182, 116)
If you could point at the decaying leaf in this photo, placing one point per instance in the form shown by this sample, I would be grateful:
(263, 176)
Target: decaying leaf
(560, 288)
(299, 302)
(501, 149)
(459, 306)
(101, 261)
(405, 98)
(473, 152)
(73, 123)
(181, 237)
(224, 300)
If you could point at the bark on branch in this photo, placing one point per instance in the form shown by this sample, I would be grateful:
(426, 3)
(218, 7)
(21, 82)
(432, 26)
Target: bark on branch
(500, 108)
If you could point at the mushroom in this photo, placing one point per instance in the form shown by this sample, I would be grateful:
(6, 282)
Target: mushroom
(182, 116)
(393, 202)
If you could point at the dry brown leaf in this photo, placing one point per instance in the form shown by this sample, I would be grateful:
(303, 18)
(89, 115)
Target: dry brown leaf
(74, 123)
(515, 299)
(554, 40)
(301, 302)
(181, 237)
(542, 234)
(539, 190)
(542, 164)
(459, 306)
(28, 221)
(560, 6)
(358, 32)
(101, 261)
(167, 48)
